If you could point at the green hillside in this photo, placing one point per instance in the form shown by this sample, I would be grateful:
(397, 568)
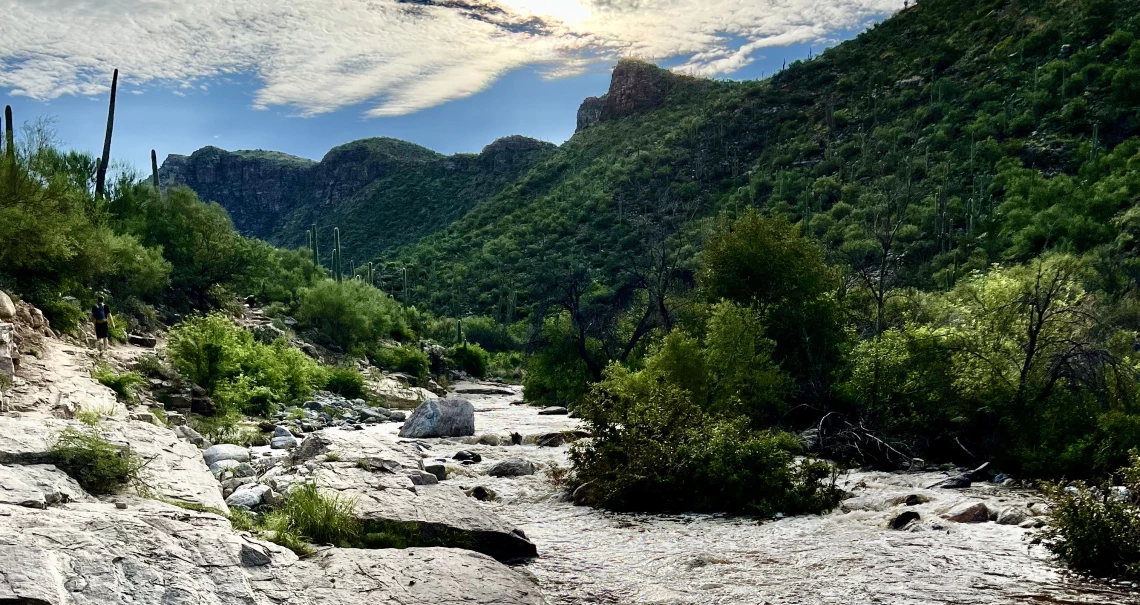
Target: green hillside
(970, 123)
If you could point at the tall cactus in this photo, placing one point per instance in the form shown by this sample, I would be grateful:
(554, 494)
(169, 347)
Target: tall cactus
(154, 170)
(315, 246)
(9, 135)
(337, 254)
(101, 175)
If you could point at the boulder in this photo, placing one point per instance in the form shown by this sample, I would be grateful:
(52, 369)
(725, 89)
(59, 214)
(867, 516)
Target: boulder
(968, 512)
(190, 435)
(7, 307)
(282, 439)
(376, 447)
(903, 519)
(484, 390)
(225, 451)
(465, 456)
(173, 468)
(155, 554)
(553, 411)
(585, 494)
(483, 494)
(250, 496)
(7, 349)
(441, 418)
(513, 467)
(1013, 515)
(439, 470)
(142, 340)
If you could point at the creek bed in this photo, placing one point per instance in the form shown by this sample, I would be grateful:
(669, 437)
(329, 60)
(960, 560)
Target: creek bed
(845, 557)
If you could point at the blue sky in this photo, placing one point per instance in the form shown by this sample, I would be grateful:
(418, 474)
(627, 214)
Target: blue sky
(253, 93)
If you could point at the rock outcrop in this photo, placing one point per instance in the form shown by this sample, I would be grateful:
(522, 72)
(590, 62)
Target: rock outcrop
(154, 554)
(173, 467)
(636, 87)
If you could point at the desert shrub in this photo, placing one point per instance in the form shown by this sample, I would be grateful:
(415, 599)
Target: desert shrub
(351, 315)
(150, 365)
(654, 449)
(64, 316)
(207, 349)
(124, 385)
(470, 358)
(241, 373)
(1096, 530)
(508, 365)
(346, 382)
(408, 360)
(99, 466)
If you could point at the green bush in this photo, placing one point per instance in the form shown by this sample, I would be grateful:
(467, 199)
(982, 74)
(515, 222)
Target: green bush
(64, 316)
(351, 315)
(408, 360)
(1096, 531)
(124, 385)
(655, 450)
(99, 466)
(346, 382)
(508, 365)
(470, 358)
(150, 365)
(241, 373)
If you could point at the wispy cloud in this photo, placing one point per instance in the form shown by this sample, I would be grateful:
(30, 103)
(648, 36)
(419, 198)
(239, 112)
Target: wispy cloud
(393, 56)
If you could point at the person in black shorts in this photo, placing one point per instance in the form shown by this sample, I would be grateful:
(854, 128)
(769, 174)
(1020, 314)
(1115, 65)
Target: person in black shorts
(101, 315)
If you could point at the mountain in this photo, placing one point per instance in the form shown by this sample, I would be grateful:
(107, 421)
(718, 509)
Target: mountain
(380, 192)
(970, 132)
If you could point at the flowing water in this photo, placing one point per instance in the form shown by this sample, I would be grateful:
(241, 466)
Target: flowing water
(846, 557)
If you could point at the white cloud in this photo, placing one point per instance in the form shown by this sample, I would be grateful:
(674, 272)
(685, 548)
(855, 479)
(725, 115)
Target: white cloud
(393, 56)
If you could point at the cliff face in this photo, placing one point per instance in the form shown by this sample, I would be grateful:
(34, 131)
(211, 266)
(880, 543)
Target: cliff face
(636, 87)
(255, 187)
(380, 192)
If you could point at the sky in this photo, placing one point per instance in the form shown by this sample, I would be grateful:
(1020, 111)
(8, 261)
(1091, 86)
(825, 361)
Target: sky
(302, 76)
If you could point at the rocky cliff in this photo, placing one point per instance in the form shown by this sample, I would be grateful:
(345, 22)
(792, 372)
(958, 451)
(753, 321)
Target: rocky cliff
(636, 87)
(380, 192)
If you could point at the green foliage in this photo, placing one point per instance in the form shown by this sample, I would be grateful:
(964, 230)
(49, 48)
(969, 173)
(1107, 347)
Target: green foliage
(1096, 530)
(508, 366)
(470, 358)
(352, 315)
(346, 382)
(124, 385)
(99, 466)
(241, 373)
(654, 449)
(408, 360)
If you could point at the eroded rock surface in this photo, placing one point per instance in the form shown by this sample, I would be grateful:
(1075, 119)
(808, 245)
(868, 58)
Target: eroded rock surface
(173, 467)
(154, 554)
(441, 418)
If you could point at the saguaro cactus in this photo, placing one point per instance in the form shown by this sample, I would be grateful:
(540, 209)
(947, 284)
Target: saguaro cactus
(315, 246)
(101, 175)
(9, 135)
(337, 254)
(154, 170)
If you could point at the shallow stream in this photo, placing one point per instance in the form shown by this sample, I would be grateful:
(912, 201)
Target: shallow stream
(846, 557)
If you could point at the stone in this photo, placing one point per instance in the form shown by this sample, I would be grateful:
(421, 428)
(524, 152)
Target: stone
(173, 469)
(917, 464)
(553, 411)
(7, 307)
(190, 435)
(1013, 515)
(423, 477)
(155, 554)
(232, 484)
(483, 494)
(248, 496)
(484, 390)
(441, 418)
(439, 470)
(397, 416)
(222, 466)
(585, 494)
(379, 449)
(1039, 509)
(285, 442)
(7, 348)
(513, 467)
(38, 486)
(142, 340)
(957, 482)
(464, 456)
(916, 499)
(968, 512)
(903, 519)
(374, 414)
(225, 451)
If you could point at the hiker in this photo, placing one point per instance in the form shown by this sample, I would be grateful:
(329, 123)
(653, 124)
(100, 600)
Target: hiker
(101, 315)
